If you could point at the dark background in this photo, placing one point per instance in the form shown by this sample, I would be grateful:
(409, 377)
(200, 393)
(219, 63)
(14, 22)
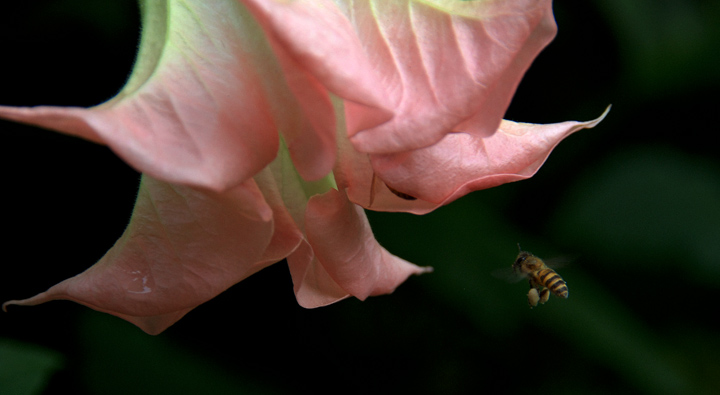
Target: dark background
(634, 200)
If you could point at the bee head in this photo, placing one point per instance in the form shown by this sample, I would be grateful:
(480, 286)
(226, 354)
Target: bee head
(522, 256)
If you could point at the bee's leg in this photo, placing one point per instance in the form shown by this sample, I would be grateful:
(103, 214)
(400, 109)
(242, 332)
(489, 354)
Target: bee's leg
(544, 295)
(533, 297)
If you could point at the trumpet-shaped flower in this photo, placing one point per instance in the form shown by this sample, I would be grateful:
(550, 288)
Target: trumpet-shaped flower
(264, 127)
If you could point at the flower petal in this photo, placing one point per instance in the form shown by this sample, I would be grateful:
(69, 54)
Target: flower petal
(317, 35)
(457, 165)
(346, 255)
(462, 163)
(438, 66)
(313, 285)
(204, 104)
(445, 65)
(181, 248)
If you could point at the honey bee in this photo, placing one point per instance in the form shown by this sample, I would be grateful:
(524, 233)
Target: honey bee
(543, 279)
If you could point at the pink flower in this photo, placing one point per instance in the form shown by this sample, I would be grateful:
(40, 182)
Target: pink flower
(262, 127)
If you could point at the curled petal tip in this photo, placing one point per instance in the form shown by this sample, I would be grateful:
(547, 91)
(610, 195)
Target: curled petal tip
(599, 119)
(13, 302)
(425, 269)
(32, 301)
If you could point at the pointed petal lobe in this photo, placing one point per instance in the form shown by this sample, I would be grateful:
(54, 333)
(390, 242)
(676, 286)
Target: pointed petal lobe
(181, 248)
(205, 102)
(457, 165)
(462, 163)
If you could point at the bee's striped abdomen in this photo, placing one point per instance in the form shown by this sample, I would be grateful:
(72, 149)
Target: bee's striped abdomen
(550, 279)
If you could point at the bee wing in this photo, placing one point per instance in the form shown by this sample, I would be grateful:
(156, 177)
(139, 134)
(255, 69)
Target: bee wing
(507, 274)
(559, 262)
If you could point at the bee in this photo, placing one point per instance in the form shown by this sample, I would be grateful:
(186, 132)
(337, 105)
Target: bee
(543, 279)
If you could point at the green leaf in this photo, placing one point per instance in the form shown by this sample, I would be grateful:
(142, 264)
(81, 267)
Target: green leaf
(655, 208)
(665, 44)
(121, 359)
(25, 368)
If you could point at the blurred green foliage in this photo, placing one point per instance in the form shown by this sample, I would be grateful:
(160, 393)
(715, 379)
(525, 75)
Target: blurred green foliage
(25, 368)
(151, 365)
(635, 199)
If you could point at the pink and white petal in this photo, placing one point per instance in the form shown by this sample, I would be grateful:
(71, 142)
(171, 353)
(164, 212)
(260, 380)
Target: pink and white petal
(343, 243)
(182, 247)
(303, 112)
(309, 134)
(445, 65)
(434, 66)
(321, 41)
(462, 163)
(283, 196)
(198, 108)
